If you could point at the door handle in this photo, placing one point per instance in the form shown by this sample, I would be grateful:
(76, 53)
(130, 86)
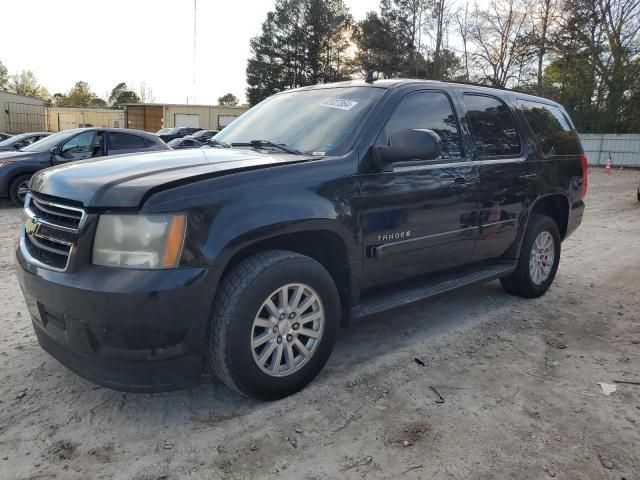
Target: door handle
(459, 184)
(529, 176)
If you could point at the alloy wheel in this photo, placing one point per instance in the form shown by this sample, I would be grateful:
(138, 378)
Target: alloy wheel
(542, 258)
(287, 329)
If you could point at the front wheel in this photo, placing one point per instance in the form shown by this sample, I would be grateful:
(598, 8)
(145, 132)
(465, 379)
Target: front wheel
(18, 189)
(274, 323)
(539, 259)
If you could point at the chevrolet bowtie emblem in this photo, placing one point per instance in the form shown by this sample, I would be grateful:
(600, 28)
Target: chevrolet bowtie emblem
(30, 225)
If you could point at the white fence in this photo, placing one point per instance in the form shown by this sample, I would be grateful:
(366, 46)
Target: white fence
(623, 149)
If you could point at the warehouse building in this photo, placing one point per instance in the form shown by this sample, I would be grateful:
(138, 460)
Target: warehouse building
(154, 116)
(21, 114)
(59, 118)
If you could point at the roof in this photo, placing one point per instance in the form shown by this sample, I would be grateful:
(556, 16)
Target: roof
(397, 82)
(141, 133)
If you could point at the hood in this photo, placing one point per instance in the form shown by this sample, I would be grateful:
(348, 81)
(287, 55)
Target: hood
(123, 181)
(15, 155)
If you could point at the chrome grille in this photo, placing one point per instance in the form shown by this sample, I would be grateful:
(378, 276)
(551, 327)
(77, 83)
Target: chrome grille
(51, 231)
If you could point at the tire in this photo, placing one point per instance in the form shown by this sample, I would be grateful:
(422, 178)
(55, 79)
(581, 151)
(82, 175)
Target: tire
(524, 282)
(242, 297)
(15, 189)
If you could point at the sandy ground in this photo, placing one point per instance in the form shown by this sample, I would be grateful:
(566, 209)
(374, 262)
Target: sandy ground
(517, 377)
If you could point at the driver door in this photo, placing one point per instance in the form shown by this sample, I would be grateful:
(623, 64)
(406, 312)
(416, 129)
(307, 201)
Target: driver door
(419, 219)
(81, 147)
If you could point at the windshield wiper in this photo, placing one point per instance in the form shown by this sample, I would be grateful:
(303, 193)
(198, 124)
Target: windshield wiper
(268, 143)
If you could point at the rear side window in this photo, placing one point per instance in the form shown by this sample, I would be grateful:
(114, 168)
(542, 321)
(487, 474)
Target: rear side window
(125, 141)
(494, 131)
(551, 127)
(427, 110)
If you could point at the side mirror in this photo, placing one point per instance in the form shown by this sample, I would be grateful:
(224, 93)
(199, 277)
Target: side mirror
(56, 151)
(408, 146)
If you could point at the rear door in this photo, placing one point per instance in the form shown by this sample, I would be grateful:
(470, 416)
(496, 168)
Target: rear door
(419, 219)
(505, 174)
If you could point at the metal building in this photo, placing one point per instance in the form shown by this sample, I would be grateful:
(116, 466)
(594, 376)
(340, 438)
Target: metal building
(154, 116)
(21, 114)
(59, 118)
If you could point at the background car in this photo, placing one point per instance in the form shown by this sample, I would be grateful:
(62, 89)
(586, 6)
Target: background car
(184, 142)
(203, 136)
(168, 134)
(17, 167)
(20, 141)
(4, 136)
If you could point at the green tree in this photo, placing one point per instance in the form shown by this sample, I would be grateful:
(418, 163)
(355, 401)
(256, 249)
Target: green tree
(302, 42)
(121, 95)
(80, 95)
(228, 99)
(4, 77)
(26, 83)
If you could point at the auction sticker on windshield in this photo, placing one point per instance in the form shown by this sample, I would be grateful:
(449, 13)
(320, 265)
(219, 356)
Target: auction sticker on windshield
(339, 103)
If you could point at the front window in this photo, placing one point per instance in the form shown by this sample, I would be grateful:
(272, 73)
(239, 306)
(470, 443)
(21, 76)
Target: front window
(49, 142)
(321, 121)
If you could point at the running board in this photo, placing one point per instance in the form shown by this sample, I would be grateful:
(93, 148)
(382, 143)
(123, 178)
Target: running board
(423, 289)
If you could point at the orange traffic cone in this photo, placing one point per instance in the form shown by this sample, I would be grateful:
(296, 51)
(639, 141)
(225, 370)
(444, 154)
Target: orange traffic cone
(607, 166)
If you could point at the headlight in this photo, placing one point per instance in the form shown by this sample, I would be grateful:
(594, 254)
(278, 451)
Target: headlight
(139, 241)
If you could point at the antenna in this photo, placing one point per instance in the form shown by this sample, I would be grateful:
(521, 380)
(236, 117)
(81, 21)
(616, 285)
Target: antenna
(195, 26)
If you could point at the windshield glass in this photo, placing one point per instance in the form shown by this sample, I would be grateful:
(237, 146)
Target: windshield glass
(13, 140)
(49, 142)
(321, 121)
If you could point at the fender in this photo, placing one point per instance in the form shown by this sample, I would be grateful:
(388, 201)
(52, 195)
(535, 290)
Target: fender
(514, 250)
(229, 213)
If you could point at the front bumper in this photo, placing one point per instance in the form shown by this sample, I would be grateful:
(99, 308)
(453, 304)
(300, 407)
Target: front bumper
(131, 330)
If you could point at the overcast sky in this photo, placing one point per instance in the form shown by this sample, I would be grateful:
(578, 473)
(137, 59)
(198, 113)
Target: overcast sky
(106, 42)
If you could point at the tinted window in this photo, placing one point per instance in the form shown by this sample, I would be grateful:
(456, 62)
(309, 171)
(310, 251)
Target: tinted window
(551, 127)
(427, 110)
(494, 131)
(124, 141)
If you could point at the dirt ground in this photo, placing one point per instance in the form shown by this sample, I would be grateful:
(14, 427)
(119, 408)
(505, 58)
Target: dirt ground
(518, 378)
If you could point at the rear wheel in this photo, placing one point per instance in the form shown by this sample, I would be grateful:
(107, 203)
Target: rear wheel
(539, 259)
(18, 189)
(274, 323)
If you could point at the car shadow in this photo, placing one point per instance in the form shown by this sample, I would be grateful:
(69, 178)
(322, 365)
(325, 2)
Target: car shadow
(212, 403)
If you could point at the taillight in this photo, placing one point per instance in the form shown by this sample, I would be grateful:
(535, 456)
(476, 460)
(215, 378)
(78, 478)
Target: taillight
(585, 166)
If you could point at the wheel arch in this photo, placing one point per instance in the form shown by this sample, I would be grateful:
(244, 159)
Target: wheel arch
(324, 245)
(555, 206)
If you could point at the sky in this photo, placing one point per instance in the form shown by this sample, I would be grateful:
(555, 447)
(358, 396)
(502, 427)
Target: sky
(135, 41)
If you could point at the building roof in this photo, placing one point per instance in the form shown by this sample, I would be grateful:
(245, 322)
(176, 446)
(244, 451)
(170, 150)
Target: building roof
(189, 105)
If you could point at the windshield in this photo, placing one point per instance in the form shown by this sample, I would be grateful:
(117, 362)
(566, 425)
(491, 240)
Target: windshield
(321, 121)
(13, 140)
(49, 142)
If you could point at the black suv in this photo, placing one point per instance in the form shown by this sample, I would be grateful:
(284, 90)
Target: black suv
(245, 258)
(60, 148)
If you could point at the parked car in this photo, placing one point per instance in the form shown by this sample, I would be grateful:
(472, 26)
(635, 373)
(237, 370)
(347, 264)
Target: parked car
(168, 134)
(20, 141)
(16, 168)
(203, 136)
(4, 136)
(248, 256)
(184, 142)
